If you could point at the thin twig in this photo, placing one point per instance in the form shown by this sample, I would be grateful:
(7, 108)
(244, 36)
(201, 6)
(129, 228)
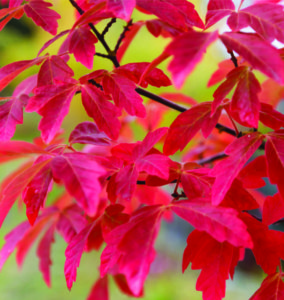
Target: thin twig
(108, 26)
(233, 59)
(122, 36)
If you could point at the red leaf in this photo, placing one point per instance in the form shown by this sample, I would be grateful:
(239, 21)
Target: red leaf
(187, 124)
(11, 241)
(54, 68)
(273, 209)
(103, 111)
(187, 50)
(80, 174)
(35, 192)
(12, 191)
(121, 9)
(179, 14)
(133, 259)
(11, 114)
(9, 72)
(99, 290)
(265, 18)
(217, 10)
(124, 95)
(272, 288)
(88, 133)
(270, 117)
(274, 152)
(74, 253)
(43, 252)
(221, 223)
(245, 105)
(227, 170)
(44, 17)
(215, 259)
(81, 44)
(258, 52)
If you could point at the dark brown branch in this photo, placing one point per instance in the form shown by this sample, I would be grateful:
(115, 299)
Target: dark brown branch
(122, 36)
(108, 26)
(233, 58)
(212, 158)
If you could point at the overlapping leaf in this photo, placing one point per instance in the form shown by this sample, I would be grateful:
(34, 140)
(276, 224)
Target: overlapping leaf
(227, 170)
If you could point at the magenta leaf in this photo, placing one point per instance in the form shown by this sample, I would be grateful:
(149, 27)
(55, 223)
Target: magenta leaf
(81, 44)
(80, 174)
(217, 10)
(43, 253)
(187, 124)
(133, 259)
(54, 68)
(13, 190)
(258, 52)
(99, 290)
(88, 133)
(35, 192)
(74, 253)
(9, 72)
(222, 224)
(44, 17)
(11, 114)
(265, 18)
(121, 9)
(103, 111)
(270, 117)
(227, 170)
(187, 50)
(124, 95)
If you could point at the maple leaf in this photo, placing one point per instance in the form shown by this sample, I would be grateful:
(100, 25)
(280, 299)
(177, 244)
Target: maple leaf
(258, 52)
(88, 133)
(124, 95)
(265, 18)
(16, 186)
(275, 158)
(227, 170)
(222, 224)
(80, 174)
(133, 259)
(187, 50)
(44, 17)
(73, 254)
(215, 259)
(217, 10)
(99, 290)
(187, 124)
(273, 209)
(81, 44)
(270, 117)
(103, 111)
(272, 288)
(43, 252)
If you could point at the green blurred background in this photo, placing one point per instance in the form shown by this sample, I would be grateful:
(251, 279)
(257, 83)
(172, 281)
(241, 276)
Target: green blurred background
(21, 40)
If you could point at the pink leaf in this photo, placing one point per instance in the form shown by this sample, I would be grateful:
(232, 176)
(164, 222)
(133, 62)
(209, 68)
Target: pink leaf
(99, 290)
(259, 53)
(88, 133)
(11, 114)
(221, 223)
(124, 95)
(265, 18)
(133, 259)
(73, 255)
(82, 46)
(44, 17)
(187, 50)
(187, 124)
(35, 192)
(217, 10)
(9, 72)
(273, 209)
(103, 111)
(121, 9)
(270, 117)
(227, 170)
(13, 190)
(80, 174)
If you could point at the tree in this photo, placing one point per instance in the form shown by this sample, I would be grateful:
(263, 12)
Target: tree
(213, 176)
